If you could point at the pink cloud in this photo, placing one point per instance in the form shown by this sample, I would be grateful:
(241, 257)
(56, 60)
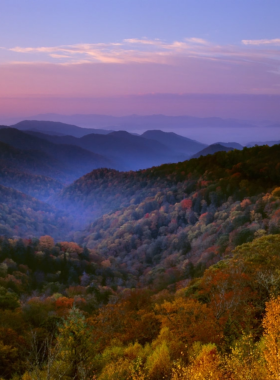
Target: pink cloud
(133, 67)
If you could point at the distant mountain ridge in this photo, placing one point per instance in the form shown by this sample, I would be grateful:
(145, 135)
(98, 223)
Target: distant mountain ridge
(174, 141)
(211, 149)
(56, 128)
(233, 145)
(132, 122)
(127, 151)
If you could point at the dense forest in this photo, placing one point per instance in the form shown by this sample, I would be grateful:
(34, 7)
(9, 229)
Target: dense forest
(170, 272)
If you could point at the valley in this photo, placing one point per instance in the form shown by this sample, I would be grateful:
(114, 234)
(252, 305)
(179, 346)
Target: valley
(155, 243)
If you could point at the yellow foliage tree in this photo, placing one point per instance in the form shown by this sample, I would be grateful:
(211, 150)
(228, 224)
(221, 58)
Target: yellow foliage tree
(158, 363)
(206, 365)
(271, 324)
(76, 346)
(246, 361)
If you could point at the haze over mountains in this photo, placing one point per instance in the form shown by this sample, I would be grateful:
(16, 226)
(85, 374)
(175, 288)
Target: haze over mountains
(68, 151)
(138, 122)
(41, 164)
(204, 129)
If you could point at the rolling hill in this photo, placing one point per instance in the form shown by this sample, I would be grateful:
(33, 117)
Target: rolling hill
(127, 151)
(64, 162)
(211, 149)
(176, 214)
(104, 191)
(175, 142)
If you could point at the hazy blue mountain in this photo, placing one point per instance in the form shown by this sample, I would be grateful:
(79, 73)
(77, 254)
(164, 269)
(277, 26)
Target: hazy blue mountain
(233, 145)
(66, 162)
(127, 151)
(175, 142)
(211, 149)
(56, 128)
(29, 161)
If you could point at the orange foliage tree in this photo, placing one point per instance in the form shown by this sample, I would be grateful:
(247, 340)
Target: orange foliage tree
(190, 321)
(271, 324)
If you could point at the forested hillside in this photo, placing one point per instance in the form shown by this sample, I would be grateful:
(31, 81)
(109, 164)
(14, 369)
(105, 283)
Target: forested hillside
(237, 174)
(162, 223)
(166, 273)
(24, 216)
(223, 325)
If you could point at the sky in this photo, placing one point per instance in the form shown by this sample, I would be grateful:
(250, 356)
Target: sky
(176, 57)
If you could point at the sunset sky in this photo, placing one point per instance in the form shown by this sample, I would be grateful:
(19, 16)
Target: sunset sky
(179, 57)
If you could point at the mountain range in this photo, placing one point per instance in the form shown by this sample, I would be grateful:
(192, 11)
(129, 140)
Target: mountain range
(62, 162)
(133, 122)
(40, 165)
(148, 264)
(57, 128)
(59, 156)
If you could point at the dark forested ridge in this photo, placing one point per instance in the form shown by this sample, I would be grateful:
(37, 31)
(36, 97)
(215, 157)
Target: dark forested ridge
(67, 162)
(170, 272)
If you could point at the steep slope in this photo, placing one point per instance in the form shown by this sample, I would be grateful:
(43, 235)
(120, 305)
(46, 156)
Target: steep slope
(56, 128)
(211, 149)
(175, 142)
(68, 162)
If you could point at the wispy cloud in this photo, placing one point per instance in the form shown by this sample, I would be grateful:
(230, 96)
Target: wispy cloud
(275, 41)
(146, 50)
(141, 66)
(197, 41)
